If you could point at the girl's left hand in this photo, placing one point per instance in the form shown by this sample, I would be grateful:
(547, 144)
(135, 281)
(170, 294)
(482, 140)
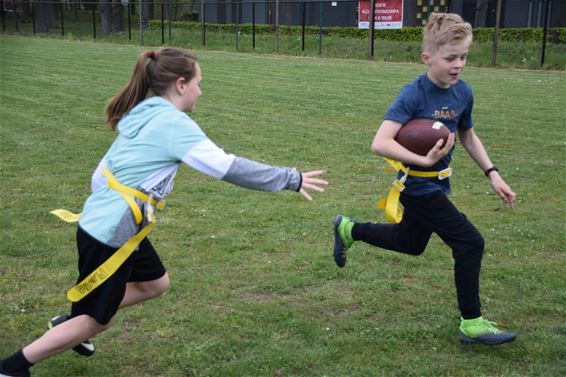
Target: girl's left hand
(310, 182)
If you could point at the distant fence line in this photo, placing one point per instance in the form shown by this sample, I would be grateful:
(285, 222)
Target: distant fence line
(121, 15)
(26, 12)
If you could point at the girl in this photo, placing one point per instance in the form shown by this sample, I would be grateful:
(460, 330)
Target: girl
(135, 175)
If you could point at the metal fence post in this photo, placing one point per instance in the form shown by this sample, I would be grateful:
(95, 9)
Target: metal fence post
(545, 28)
(32, 17)
(237, 24)
(320, 30)
(141, 23)
(496, 34)
(162, 23)
(15, 16)
(203, 24)
(303, 28)
(93, 21)
(129, 10)
(277, 26)
(62, 20)
(371, 30)
(3, 19)
(169, 18)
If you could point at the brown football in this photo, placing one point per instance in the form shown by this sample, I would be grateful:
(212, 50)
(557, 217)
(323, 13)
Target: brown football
(420, 135)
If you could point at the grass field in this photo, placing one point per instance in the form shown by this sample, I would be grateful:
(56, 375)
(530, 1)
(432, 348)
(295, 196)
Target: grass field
(254, 290)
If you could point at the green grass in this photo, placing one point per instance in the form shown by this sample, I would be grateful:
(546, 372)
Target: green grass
(254, 290)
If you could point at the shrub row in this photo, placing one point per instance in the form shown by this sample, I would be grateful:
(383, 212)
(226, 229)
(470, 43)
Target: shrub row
(414, 34)
(556, 35)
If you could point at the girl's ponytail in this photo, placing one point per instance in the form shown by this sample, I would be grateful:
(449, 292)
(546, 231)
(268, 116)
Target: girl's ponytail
(154, 71)
(133, 93)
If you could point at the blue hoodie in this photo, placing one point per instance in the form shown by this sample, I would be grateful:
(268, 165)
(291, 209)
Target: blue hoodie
(154, 138)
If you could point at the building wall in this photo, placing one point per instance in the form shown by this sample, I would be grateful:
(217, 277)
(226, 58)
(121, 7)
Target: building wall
(514, 13)
(480, 13)
(339, 13)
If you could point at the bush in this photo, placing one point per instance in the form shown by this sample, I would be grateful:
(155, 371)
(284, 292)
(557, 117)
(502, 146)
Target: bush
(557, 35)
(406, 34)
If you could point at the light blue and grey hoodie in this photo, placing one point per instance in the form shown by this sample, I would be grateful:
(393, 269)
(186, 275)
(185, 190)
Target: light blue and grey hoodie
(154, 138)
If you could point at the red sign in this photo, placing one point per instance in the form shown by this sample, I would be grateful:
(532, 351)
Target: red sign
(388, 14)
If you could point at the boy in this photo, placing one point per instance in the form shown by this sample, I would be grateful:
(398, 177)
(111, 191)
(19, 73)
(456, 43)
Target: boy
(441, 95)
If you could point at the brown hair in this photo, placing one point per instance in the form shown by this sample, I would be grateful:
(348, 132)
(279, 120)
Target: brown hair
(444, 28)
(155, 71)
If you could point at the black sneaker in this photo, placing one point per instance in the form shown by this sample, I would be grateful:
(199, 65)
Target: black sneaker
(4, 373)
(86, 348)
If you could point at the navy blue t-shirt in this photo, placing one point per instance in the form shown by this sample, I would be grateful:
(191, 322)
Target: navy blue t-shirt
(424, 99)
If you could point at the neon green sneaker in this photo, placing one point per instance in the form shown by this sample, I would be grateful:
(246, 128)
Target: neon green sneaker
(480, 330)
(342, 238)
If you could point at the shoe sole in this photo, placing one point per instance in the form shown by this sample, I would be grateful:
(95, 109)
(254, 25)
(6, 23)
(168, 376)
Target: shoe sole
(467, 340)
(339, 252)
(83, 349)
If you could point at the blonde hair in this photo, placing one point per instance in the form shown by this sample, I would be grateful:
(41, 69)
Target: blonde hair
(155, 71)
(445, 28)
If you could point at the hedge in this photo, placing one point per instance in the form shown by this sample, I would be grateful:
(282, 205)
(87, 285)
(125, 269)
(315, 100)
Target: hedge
(557, 35)
(406, 34)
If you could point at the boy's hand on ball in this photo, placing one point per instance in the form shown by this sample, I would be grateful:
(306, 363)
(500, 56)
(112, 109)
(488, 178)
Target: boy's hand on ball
(439, 150)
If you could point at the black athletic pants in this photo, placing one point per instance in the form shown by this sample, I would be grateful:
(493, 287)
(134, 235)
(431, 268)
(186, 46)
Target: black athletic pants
(424, 215)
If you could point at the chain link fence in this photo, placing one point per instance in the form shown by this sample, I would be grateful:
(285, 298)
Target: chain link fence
(319, 27)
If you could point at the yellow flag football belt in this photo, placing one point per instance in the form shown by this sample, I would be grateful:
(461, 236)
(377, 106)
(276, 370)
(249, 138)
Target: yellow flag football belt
(393, 211)
(111, 265)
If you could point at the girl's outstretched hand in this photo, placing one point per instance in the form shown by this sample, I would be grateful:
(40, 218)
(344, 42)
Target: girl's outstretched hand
(310, 182)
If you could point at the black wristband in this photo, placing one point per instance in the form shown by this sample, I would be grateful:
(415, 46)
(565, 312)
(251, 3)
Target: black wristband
(493, 168)
(300, 182)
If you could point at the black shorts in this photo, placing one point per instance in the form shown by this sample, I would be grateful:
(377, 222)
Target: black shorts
(103, 302)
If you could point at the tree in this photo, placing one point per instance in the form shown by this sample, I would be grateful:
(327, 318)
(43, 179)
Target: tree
(44, 15)
(26, 14)
(111, 16)
(146, 13)
(117, 16)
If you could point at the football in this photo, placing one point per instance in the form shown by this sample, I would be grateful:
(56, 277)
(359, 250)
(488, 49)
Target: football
(420, 135)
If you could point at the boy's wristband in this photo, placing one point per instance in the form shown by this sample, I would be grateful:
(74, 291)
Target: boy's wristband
(493, 168)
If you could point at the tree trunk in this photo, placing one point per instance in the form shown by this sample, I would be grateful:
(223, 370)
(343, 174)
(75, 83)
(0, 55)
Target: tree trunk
(117, 16)
(52, 14)
(44, 16)
(111, 16)
(147, 13)
(26, 14)
(105, 9)
(75, 8)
